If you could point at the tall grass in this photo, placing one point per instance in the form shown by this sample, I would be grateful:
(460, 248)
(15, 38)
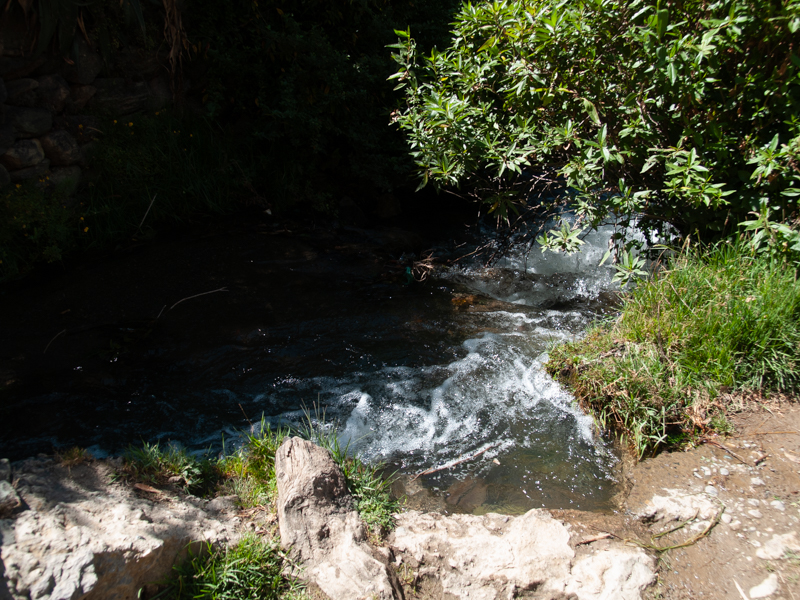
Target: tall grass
(710, 323)
(154, 464)
(253, 569)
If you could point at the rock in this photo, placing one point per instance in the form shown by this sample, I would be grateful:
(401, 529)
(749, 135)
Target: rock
(22, 92)
(679, 506)
(79, 96)
(317, 521)
(778, 546)
(88, 64)
(16, 67)
(724, 472)
(755, 513)
(778, 505)
(29, 122)
(766, 588)
(223, 504)
(5, 178)
(53, 92)
(160, 93)
(115, 97)
(726, 518)
(756, 481)
(66, 179)
(711, 490)
(9, 500)
(23, 154)
(61, 148)
(490, 557)
(41, 170)
(7, 138)
(84, 537)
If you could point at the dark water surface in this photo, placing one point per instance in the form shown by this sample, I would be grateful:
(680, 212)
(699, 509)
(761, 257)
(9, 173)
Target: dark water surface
(418, 376)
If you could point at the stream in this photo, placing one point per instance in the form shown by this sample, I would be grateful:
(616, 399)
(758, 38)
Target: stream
(444, 375)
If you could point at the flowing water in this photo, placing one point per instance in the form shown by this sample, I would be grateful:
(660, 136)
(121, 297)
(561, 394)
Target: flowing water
(444, 376)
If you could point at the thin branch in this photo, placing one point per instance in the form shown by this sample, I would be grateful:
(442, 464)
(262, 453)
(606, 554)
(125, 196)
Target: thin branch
(222, 289)
(453, 464)
(54, 339)
(148, 210)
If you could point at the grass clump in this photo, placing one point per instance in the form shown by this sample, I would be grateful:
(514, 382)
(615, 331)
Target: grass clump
(250, 471)
(370, 490)
(253, 569)
(155, 465)
(709, 324)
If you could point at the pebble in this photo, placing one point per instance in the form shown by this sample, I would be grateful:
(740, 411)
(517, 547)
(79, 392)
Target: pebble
(778, 505)
(753, 502)
(724, 472)
(756, 481)
(736, 526)
(698, 474)
(755, 513)
(711, 490)
(706, 471)
(726, 518)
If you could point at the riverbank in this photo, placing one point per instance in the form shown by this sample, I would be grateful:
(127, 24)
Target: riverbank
(733, 502)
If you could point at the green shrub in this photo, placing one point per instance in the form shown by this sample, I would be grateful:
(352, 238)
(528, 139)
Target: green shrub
(707, 325)
(636, 110)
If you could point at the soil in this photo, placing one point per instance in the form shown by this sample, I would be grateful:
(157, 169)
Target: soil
(760, 496)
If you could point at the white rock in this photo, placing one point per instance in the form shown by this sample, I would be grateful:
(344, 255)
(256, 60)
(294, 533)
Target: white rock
(726, 518)
(755, 513)
(756, 481)
(677, 505)
(766, 588)
(778, 546)
(492, 556)
(724, 472)
(778, 505)
(706, 471)
(711, 490)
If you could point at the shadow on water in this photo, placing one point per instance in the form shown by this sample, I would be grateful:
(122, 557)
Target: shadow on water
(418, 376)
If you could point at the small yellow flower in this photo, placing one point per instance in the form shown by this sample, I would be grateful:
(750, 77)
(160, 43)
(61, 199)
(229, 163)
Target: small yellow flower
(190, 135)
(130, 124)
(115, 120)
(80, 126)
(81, 218)
(85, 229)
(156, 113)
(19, 185)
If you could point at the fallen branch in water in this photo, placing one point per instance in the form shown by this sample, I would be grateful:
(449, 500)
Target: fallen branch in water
(453, 464)
(222, 289)
(54, 339)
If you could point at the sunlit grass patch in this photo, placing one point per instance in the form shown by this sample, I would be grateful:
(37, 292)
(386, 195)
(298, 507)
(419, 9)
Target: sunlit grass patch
(153, 464)
(709, 323)
(253, 569)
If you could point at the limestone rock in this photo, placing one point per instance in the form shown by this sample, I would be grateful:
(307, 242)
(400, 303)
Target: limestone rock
(84, 537)
(5, 470)
(53, 92)
(22, 92)
(9, 500)
(41, 170)
(679, 506)
(29, 122)
(316, 519)
(491, 557)
(778, 546)
(766, 588)
(61, 148)
(23, 154)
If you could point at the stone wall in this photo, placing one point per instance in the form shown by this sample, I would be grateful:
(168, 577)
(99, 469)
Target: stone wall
(51, 107)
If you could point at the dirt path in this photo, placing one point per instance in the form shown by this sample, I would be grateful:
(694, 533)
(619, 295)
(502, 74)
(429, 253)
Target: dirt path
(755, 544)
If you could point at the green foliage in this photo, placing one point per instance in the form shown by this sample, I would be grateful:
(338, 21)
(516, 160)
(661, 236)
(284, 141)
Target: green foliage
(153, 464)
(631, 110)
(253, 569)
(370, 490)
(35, 226)
(725, 320)
(250, 470)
